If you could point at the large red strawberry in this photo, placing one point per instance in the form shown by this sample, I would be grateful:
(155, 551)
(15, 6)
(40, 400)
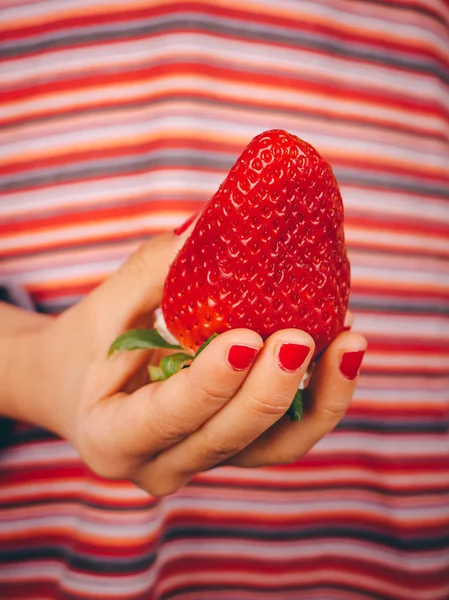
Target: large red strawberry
(267, 253)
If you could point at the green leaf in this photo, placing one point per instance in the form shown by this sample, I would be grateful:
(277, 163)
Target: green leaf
(206, 343)
(141, 339)
(156, 373)
(173, 363)
(296, 409)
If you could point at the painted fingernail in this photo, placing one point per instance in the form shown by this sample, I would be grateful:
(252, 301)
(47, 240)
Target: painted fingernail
(292, 356)
(241, 357)
(180, 230)
(350, 363)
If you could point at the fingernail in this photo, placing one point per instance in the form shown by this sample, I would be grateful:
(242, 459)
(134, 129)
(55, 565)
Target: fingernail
(180, 230)
(350, 363)
(292, 356)
(347, 328)
(241, 357)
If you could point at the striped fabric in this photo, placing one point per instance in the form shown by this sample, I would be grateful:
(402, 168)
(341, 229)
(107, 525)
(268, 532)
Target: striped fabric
(117, 121)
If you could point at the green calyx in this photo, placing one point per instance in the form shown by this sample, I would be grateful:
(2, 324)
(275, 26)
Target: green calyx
(141, 339)
(150, 339)
(169, 365)
(296, 408)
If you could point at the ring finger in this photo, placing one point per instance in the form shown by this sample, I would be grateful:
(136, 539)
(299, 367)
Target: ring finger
(261, 401)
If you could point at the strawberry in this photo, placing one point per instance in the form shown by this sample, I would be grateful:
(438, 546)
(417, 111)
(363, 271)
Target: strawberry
(267, 253)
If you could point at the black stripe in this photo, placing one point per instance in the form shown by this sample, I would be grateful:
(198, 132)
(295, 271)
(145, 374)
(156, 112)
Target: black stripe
(413, 8)
(122, 565)
(185, 158)
(318, 489)
(251, 31)
(262, 110)
(302, 591)
(422, 427)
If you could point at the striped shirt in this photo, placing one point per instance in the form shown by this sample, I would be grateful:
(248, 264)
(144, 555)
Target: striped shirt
(120, 119)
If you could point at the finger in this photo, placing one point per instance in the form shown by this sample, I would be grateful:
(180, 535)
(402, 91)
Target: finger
(330, 393)
(263, 398)
(159, 415)
(122, 302)
(349, 319)
(143, 275)
(128, 298)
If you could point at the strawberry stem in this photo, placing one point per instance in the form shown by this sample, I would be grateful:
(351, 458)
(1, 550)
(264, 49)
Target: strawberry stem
(155, 373)
(146, 339)
(206, 343)
(296, 409)
(141, 339)
(172, 363)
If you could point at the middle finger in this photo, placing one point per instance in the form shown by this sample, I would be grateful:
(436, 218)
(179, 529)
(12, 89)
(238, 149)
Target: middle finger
(263, 399)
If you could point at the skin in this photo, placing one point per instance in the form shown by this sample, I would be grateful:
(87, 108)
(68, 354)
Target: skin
(55, 373)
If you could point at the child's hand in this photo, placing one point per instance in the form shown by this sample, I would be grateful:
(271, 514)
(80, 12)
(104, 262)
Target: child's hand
(227, 407)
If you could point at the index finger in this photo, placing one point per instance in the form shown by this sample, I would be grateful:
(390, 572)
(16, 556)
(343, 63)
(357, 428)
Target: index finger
(164, 413)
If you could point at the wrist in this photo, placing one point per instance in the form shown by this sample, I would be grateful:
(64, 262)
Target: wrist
(26, 376)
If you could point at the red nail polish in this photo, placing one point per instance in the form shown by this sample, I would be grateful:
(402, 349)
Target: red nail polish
(241, 357)
(350, 363)
(180, 230)
(292, 356)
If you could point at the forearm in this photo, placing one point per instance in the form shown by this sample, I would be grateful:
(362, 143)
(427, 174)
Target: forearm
(21, 364)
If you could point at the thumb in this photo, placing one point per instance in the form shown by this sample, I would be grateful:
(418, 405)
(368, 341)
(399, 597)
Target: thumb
(128, 298)
(136, 288)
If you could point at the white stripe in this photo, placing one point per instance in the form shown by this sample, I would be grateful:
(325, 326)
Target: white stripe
(429, 327)
(111, 190)
(413, 241)
(160, 222)
(201, 45)
(234, 91)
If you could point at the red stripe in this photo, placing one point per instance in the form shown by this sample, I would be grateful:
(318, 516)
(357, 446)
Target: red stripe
(141, 75)
(308, 23)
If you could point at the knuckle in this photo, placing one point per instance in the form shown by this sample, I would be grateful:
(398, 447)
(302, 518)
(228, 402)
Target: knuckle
(217, 451)
(333, 411)
(100, 457)
(139, 265)
(101, 448)
(210, 396)
(160, 488)
(286, 459)
(275, 405)
(291, 453)
(106, 469)
(155, 479)
(166, 433)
